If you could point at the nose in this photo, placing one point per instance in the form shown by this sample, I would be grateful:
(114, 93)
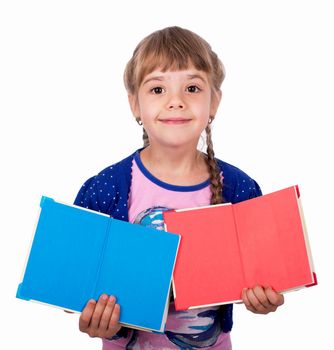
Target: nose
(175, 106)
(175, 102)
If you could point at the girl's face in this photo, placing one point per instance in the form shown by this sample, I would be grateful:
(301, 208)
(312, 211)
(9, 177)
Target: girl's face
(175, 106)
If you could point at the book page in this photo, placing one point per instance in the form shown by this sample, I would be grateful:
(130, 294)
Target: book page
(208, 268)
(272, 241)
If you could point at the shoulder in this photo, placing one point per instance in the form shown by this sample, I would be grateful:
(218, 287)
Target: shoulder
(116, 172)
(237, 185)
(107, 188)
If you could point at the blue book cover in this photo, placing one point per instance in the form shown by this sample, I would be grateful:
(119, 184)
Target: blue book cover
(78, 254)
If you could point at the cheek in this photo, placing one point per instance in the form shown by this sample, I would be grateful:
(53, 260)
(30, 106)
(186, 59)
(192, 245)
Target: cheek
(204, 110)
(142, 106)
(150, 108)
(147, 110)
(148, 114)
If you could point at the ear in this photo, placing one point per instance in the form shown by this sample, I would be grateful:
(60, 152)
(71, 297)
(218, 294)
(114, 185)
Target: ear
(216, 97)
(133, 102)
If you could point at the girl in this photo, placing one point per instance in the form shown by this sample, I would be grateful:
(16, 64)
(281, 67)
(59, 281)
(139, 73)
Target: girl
(173, 82)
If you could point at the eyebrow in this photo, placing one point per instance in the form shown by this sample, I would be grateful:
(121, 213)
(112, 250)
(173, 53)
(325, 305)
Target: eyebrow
(196, 76)
(162, 78)
(159, 78)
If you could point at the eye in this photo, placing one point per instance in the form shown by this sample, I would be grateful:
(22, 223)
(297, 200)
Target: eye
(157, 90)
(193, 89)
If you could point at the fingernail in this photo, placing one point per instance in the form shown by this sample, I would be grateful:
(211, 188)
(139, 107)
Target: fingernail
(111, 299)
(104, 297)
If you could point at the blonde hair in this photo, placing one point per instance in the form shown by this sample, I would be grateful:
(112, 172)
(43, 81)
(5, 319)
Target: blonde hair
(175, 48)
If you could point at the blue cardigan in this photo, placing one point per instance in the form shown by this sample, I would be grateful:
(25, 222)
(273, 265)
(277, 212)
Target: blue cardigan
(108, 192)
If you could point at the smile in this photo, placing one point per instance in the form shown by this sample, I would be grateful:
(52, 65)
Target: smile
(175, 121)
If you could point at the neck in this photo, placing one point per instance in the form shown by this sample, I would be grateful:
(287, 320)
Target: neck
(179, 166)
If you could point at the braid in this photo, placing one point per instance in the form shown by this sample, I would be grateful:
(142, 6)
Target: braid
(215, 178)
(145, 138)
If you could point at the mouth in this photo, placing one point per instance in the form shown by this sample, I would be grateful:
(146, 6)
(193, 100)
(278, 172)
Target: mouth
(175, 121)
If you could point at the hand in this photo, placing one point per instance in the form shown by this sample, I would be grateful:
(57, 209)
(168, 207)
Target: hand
(261, 300)
(100, 319)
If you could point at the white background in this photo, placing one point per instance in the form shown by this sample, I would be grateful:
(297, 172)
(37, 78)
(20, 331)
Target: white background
(64, 116)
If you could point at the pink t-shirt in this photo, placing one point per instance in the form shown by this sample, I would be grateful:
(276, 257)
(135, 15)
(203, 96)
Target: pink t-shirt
(191, 329)
(148, 192)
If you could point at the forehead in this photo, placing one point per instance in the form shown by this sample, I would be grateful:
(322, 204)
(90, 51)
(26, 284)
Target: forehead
(176, 75)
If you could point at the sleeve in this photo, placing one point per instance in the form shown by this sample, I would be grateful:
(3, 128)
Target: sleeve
(98, 193)
(245, 188)
(255, 190)
(84, 197)
(237, 185)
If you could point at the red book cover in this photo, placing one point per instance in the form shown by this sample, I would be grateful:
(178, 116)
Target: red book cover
(225, 248)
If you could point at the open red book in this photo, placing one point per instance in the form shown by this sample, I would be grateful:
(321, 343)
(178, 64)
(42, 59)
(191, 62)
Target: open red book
(225, 248)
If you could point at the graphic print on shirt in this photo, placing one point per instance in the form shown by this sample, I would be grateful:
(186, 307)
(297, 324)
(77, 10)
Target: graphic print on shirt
(152, 218)
(191, 328)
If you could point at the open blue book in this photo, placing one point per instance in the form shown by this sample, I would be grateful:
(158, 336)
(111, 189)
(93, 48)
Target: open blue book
(78, 254)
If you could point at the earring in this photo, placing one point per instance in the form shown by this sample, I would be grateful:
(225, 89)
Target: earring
(211, 120)
(138, 120)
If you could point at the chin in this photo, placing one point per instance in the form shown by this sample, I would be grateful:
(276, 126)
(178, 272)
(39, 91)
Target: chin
(175, 140)
(178, 143)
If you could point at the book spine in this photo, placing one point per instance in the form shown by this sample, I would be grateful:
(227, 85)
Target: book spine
(98, 273)
(234, 212)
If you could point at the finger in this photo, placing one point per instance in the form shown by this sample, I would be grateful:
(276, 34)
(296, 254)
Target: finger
(245, 297)
(105, 318)
(255, 303)
(86, 315)
(246, 301)
(261, 296)
(114, 325)
(99, 309)
(274, 298)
